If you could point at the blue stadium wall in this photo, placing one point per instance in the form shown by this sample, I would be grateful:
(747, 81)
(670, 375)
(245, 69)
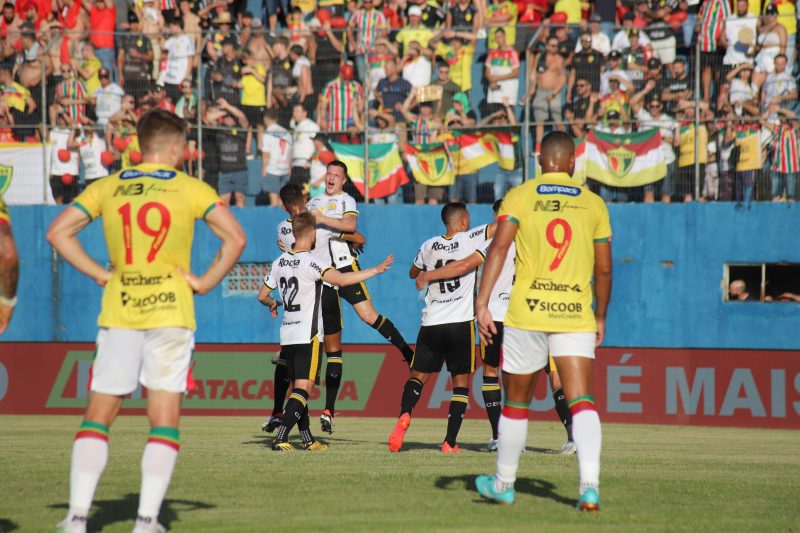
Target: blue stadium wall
(668, 268)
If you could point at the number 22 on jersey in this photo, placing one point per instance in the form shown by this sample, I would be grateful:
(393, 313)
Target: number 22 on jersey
(158, 233)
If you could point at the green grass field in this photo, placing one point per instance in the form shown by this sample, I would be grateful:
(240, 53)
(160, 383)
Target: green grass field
(227, 479)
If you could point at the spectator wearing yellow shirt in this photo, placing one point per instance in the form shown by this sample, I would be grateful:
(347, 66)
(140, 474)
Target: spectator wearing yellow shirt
(502, 13)
(88, 68)
(572, 8)
(415, 31)
(254, 99)
(459, 54)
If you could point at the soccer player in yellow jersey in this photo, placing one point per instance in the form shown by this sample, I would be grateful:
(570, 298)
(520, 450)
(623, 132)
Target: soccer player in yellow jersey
(147, 315)
(562, 235)
(9, 269)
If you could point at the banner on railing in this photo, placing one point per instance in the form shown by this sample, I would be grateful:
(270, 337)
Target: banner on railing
(386, 172)
(430, 164)
(627, 160)
(24, 165)
(470, 152)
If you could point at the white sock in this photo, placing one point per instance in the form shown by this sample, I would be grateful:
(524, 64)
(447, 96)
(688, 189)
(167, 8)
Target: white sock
(89, 458)
(512, 435)
(158, 462)
(587, 434)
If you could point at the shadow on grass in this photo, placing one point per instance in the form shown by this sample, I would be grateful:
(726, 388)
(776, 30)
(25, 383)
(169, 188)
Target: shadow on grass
(109, 512)
(524, 485)
(7, 525)
(266, 440)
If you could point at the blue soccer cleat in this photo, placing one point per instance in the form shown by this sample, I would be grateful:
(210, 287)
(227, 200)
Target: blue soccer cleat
(485, 486)
(589, 501)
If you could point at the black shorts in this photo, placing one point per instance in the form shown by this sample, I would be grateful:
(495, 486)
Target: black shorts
(66, 192)
(254, 114)
(331, 311)
(303, 360)
(453, 344)
(354, 294)
(491, 353)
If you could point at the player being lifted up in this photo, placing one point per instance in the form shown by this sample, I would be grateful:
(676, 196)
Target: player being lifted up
(294, 203)
(447, 333)
(498, 305)
(337, 213)
(550, 311)
(298, 275)
(147, 315)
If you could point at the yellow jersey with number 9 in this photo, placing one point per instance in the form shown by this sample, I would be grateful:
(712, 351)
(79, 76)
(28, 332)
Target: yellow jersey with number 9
(558, 223)
(148, 214)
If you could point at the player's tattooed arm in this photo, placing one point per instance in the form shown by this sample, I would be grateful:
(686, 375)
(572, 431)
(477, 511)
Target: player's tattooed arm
(414, 272)
(266, 299)
(9, 275)
(451, 270)
(355, 238)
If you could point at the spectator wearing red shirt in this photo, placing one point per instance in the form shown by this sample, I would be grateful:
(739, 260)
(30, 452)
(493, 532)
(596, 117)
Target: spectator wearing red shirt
(103, 20)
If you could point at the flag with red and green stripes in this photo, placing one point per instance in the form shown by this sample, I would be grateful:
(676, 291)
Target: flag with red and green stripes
(628, 160)
(430, 164)
(386, 172)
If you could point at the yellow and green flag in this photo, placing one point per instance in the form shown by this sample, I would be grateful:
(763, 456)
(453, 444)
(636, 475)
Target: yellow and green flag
(430, 164)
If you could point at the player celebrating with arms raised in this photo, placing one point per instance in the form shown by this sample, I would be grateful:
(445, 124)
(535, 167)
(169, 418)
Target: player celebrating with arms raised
(147, 316)
(336, 213)
(298, 276)
(562, 234)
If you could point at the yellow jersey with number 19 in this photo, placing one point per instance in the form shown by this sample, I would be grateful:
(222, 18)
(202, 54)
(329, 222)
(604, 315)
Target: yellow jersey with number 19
(558, 223)
(148, 214)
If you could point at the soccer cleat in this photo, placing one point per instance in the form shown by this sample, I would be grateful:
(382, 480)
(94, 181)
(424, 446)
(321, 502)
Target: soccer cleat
(72, 524)
(448, 450)
(314, 446)
(399, 432)
(569, 448)
(492, 446)
(148, 525)
(326, 420)
(271, 423)
(282, 446)
(589, 501)
(485, 486)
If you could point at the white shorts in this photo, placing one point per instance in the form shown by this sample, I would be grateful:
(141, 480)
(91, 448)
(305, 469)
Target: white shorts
(159, 358)
(525, 352)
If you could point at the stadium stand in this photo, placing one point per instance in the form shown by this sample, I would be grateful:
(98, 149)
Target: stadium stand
(424, 101)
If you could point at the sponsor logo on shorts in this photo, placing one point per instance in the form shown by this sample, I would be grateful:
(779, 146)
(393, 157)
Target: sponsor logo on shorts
(546, 188)
(449, 247)
(149, 301)
(137, 279)
(551, 286)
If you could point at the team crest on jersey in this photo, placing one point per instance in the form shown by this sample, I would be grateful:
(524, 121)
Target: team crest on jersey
(332, 205)
(620, 161)
(6, 173)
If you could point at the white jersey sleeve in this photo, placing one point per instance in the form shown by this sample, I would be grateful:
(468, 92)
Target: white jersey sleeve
(501, 292)
(269, 279)
(285, 235)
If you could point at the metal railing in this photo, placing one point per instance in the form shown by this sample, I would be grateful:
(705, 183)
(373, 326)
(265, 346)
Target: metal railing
(362, 118)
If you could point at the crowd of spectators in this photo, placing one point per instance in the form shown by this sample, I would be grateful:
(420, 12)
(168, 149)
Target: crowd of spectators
(280, 84)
